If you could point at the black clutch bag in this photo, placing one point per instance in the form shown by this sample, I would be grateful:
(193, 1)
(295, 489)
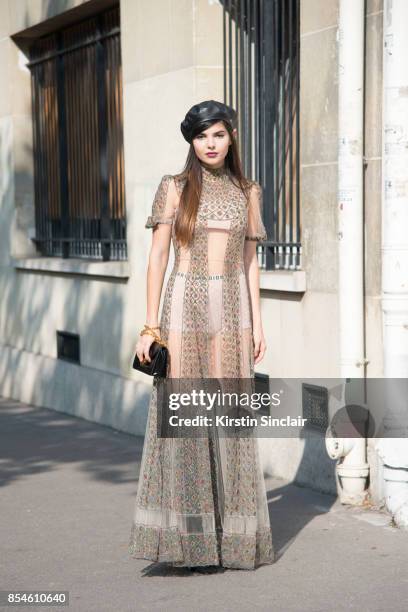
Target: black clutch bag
(159, 356)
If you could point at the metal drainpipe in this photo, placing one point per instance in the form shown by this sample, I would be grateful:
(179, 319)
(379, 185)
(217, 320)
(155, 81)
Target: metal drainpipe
(393, 450)
(352, 468)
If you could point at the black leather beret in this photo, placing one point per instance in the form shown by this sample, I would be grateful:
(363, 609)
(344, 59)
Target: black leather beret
(209, 110)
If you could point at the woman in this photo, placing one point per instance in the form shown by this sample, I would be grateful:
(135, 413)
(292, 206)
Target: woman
(202, 502)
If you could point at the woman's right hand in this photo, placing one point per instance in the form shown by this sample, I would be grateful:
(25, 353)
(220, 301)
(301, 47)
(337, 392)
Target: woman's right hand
(143, 346)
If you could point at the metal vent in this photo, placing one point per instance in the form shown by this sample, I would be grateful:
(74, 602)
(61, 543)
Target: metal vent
(68, 346)
(315, 406)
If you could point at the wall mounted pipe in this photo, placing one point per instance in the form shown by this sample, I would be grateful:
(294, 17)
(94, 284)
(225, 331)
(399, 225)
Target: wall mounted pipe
(352, 469)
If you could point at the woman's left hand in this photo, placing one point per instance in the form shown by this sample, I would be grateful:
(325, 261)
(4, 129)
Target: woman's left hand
(259, 345)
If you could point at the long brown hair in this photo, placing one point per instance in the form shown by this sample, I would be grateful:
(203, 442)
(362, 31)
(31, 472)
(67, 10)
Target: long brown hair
(192, 172)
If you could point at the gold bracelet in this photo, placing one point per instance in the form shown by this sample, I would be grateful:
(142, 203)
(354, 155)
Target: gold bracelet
(147, 327)
(150, 332)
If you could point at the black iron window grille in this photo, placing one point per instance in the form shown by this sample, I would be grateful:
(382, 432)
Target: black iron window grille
(261, 80)
(76, 85)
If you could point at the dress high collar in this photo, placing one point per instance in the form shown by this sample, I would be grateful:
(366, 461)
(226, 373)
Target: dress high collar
(212, 174)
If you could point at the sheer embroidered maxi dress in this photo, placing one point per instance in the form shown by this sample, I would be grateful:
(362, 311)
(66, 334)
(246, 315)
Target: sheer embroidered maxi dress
(202, 501)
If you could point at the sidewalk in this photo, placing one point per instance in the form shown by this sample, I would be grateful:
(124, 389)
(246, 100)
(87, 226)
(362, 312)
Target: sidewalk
(67, 497)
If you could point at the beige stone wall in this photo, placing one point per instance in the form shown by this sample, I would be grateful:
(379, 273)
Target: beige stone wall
(302, 328)
(318, 158)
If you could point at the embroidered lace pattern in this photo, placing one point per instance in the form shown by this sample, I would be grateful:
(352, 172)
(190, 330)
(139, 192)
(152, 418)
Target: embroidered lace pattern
(202, 501)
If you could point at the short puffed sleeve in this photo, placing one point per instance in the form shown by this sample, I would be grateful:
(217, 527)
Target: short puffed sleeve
(162, 208)
(255, 228)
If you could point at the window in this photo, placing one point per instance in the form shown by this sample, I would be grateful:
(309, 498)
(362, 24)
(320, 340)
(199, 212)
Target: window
(261, 80)
(76, 82)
